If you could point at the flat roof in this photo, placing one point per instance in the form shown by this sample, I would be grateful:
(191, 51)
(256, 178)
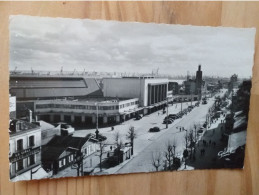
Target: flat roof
(96, 99)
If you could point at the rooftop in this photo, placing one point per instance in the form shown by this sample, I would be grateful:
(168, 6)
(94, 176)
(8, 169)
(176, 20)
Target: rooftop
(22, 127)
(96, 99)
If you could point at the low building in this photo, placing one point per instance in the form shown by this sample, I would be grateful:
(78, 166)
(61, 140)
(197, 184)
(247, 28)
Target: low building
(60, 152)
(86, 110)
(24, 148)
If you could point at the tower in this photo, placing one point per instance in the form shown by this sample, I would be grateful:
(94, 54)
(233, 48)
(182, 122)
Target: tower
(199, 81)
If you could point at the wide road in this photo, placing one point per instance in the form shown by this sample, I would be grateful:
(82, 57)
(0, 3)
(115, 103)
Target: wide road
(142, 161)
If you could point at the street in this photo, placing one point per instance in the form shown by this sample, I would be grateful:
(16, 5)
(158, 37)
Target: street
(143, 163)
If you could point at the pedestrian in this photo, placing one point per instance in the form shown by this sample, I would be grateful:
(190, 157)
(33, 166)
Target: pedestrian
(210, 142)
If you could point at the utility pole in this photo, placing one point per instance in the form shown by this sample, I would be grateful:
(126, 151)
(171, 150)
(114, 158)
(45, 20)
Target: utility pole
(167, 112)
(181, 104)
(97, 116)
(191, 99)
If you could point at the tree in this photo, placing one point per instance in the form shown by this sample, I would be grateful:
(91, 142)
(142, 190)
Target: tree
(117, 138)
(196, 127)
(78, 163)
(170, 153)
(156, 160)
(119, 144)
(191, 140)
(131, 135)
(186, 139)
(185, 156)
(102, 146)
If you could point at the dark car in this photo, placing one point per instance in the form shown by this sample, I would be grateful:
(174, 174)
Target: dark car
(168, 121)
(169, 118)
(154, 129)
(173, 116)
(138, 117)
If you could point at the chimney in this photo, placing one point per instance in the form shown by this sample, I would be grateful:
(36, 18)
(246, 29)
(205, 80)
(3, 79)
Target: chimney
(30, 116)
(199, 68)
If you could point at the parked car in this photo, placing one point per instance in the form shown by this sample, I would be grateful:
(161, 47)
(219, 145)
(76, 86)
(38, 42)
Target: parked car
(169, 118)
(168, 121)
(173, 116)
(138, 117)
(154, 129)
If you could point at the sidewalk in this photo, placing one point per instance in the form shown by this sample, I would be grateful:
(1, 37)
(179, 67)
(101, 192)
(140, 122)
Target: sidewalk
(209, 160)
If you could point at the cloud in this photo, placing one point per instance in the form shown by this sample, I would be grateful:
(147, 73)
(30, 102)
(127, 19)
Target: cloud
(49, 43)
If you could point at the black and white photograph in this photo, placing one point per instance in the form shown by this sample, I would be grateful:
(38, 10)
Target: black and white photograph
(95, 97)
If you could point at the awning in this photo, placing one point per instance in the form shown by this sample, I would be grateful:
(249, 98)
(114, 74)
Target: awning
(235, 140)
(40, 174)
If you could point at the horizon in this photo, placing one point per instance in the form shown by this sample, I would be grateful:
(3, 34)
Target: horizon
(101, 46)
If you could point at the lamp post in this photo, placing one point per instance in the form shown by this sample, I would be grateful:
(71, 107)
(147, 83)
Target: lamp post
(167, 112)
(181, 104)
(97, 116)
(32, 172)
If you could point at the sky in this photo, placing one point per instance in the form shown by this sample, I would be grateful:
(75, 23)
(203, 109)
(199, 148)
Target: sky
(47, 44)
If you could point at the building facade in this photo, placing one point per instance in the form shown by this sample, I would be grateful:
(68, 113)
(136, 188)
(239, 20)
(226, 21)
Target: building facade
(150, 91)
(108, 110)
(24, 147)
(61, 152)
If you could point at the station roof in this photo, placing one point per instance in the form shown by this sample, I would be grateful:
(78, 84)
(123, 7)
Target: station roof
(34, 87)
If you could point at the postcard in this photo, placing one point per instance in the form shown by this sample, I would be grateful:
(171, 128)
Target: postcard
(96, 97)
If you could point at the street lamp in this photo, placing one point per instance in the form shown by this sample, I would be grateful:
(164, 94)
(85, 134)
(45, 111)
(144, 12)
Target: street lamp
(32, 172)
(166, 112)
(97, 116)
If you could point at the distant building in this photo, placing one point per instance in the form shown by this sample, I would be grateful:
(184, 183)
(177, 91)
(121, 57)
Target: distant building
(233, 82)
(29, 88)
(33, 87)
(199, 81)
(72, 99)
(24, 149)
(190, 87)
(195, 86)
(151, 92)
(12, 107)
(174, 87)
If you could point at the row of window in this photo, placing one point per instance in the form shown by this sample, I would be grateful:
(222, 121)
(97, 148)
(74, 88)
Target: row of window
(85, 107)
(19, 165)
(62, 162)
(129, 104)
(31, 143)
(89, 150)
